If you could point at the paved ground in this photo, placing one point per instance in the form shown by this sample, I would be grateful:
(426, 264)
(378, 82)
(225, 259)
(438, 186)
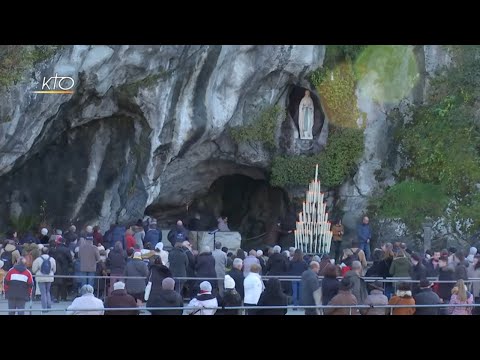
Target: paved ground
(36, 309)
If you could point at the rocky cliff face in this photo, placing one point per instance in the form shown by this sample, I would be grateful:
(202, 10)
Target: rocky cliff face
(146, 125)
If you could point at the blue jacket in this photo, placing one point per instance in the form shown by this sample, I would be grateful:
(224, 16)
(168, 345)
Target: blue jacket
(118, 234)
(153, 236)
(364, 233)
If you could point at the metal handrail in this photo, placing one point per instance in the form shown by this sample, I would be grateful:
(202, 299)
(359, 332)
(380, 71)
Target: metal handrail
(247, 307)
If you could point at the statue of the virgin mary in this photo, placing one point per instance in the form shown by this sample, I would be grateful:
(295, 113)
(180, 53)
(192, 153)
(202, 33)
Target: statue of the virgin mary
(305, 117)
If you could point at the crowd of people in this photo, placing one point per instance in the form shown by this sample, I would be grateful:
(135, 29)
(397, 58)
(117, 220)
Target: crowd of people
(128, 267)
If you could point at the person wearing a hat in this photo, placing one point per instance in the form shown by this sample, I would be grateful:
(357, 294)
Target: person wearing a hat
(136, 268)
(205, 303)
(44, 238)
(163, 254)
(230, 298)
(375, 298)
(120, 299)
(403, 296)
(343, 298)
(426, 296)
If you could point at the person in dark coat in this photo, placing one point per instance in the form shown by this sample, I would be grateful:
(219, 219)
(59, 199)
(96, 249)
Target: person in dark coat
(432, 265)
(71, 235)
(205, 268)
(378, 267)
(178, 234)
(446, 272)
(273, 296)
(297, 267)
(308, 286)
(118, 234)
(461, 267)
(120, 299)
(418, 271)
(278, 265)
(97, 236)
(230, 298)
(425, 296)
(158, 272)
(190, 284)
(178, 265)
(153, 235)
(116, 263)
(240, 254)
(166, 297)
(136, 268)
(64, 262)
(237, 275)
(330, 284)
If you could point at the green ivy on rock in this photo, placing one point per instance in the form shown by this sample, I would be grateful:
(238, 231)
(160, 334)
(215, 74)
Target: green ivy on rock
(262, 129)
(336, 163)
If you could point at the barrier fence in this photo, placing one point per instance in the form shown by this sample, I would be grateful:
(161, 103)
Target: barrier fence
(319, 307)
(101, 282)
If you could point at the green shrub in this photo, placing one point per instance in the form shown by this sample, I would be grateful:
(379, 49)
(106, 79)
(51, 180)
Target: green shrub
(337, 91)
(441, 143)
(23, 223)
(410, 201)
(336, 163)
(16, 59)
(262, 129)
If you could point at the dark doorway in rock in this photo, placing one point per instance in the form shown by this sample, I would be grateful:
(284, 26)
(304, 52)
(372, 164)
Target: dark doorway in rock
(252, 206)
(296, 95)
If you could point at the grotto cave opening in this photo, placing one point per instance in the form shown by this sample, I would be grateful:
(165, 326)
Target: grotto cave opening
(252, 206)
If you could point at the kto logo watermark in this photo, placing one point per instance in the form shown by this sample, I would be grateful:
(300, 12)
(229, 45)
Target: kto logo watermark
(57, 85)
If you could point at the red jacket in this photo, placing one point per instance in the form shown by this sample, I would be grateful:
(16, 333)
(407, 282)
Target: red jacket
(130, 240)
(18, 283)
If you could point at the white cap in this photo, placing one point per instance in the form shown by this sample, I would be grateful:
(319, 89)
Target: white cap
(119, 285)
(205, 286)
(89, 229)
(44, 231)
(229, 282)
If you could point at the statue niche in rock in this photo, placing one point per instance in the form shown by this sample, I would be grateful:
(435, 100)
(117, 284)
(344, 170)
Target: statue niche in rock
(305, 117)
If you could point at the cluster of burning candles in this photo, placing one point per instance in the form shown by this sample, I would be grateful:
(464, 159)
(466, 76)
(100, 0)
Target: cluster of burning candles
(313, 235)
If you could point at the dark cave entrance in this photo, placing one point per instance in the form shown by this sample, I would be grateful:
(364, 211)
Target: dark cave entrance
(252, 206)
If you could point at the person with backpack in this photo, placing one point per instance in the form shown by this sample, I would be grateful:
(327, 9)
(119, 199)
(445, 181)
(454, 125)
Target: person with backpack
(10, 253)
(354, 253)
(44, 267)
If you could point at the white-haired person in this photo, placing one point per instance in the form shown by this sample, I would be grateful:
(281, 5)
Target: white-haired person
(86, 304)
(205, 303)
(262, 260)
(44, 238)
(253, 287)
(249, 261)
(237, 275)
